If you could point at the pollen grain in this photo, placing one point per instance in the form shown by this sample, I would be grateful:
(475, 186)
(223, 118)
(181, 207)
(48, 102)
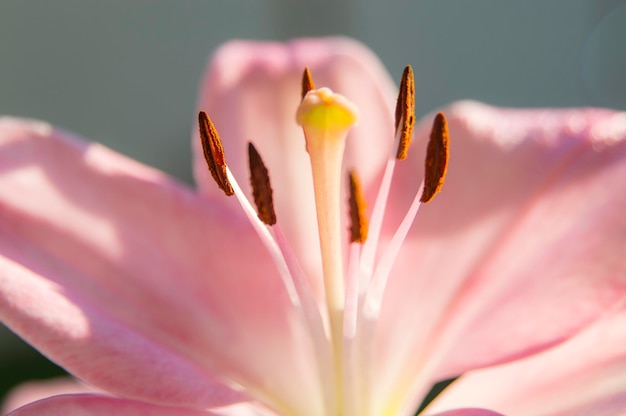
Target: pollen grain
(405, 112)
(307, 81)
(437, 156)
(214, 153)
(261, 188)
(358, 226)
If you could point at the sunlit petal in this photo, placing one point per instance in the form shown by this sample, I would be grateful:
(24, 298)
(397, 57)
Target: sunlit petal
(104, 258)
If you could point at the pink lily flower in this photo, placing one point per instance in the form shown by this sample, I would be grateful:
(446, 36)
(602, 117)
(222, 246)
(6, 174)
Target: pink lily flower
(179, 302)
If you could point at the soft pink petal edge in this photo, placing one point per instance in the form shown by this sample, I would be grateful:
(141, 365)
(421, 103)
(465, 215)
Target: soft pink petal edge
(468, 412)
(586, 372)
(98, 405)
(33, 391)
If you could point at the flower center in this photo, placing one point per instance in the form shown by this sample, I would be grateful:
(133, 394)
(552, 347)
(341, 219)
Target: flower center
(342, 336)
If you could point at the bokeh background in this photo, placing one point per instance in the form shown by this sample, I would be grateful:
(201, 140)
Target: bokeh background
(125, 72)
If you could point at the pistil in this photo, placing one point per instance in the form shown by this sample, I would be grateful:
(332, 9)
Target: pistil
(326, 118)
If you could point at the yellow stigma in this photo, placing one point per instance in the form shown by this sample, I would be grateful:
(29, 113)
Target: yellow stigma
(325, 115)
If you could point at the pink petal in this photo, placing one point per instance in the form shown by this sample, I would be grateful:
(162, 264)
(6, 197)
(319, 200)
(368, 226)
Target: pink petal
(36, 390)
(609, 406)
(524, 246)
(135, 284)
(94, 405)
(467, 412)
(586, 372)
(252, 90)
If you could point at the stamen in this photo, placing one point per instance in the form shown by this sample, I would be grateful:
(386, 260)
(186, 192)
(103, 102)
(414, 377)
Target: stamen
(436, 165)
(307, 81)
(436, 158)
(293, 277)
(262, 192)
(352, 375)
(310, 312)
(405, 120)
(358, 227)
(261, 188)
(405, 112)
(358, 230)
(214, 153)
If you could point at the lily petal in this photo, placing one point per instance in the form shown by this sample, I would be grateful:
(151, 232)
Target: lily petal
(524, 246)
(36, 390)
(468, 412)
(95, 405)
(110, 268)
(251, 91)
(586, 372)
(609, 406)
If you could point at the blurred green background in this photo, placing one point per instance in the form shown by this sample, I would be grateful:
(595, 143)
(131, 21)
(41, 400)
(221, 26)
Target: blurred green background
(125, 73)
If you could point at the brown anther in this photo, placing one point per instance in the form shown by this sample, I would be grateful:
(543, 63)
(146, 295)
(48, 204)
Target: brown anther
(405, 112)
(261, 188)
(358, 226)
(307, 81)
(214, 153)
(437, 156)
